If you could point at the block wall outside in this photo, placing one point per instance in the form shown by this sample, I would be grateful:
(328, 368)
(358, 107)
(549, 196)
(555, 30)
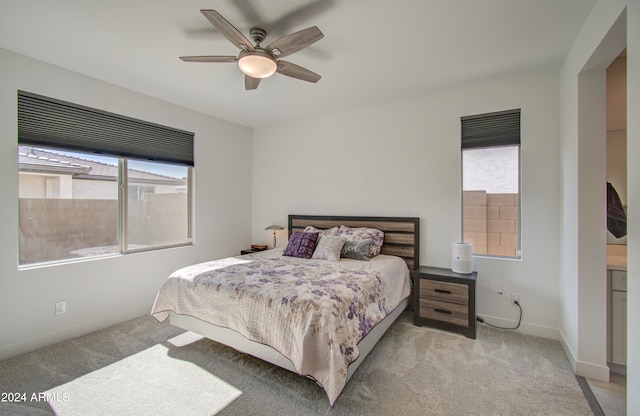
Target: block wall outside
(490, 222)
(57, 229)
(158, 220)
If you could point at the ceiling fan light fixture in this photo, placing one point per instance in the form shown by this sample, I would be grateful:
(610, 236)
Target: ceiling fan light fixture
(257, 64)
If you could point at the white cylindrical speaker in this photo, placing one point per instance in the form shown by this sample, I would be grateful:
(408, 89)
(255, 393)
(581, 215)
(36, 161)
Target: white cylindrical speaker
(461, 260)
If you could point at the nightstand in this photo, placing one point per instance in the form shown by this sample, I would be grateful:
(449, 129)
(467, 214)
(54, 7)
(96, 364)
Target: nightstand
(445, 300)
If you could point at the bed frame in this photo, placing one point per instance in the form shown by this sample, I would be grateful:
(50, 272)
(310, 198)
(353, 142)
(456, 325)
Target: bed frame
(402, 238)
(401, 234)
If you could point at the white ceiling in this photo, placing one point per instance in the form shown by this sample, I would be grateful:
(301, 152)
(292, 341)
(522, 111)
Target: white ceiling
(373, 50)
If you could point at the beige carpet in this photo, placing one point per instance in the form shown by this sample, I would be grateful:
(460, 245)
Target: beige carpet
(141, 367)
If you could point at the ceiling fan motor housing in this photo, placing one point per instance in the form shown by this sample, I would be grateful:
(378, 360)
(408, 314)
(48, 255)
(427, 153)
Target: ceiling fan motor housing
(258, 35)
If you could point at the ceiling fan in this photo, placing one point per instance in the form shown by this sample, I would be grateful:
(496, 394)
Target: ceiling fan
(258, 62)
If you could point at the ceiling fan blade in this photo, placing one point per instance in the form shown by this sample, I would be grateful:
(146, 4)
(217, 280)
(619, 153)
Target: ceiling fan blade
(227, 29)
(302, 14)
(250, 14)
(292, 43)
(295, 71)
(209, 58)
(251, 83)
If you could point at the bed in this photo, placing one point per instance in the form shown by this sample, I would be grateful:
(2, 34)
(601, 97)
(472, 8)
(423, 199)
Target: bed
(315, 317)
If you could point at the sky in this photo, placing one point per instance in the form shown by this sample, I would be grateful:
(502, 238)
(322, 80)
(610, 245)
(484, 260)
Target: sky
(495, 170)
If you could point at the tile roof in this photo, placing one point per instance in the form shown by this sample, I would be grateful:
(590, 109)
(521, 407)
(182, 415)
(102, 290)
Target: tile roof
(37, 159)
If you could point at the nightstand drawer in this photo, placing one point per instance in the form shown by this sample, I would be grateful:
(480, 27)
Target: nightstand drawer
(445, 299)
(444, 291)
(444, 311)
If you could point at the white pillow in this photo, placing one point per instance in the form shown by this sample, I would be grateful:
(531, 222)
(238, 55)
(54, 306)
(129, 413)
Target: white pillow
(329, 248)
(328, 231)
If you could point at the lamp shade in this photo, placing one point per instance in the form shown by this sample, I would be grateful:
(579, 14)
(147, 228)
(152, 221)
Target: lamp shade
(257, 64)
(274, 227)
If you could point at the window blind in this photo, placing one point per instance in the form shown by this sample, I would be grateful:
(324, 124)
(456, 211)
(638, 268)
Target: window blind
(45, 121)
(501, 128)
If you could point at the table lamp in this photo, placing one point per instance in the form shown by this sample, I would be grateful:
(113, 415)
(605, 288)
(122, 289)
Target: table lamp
(274, 228)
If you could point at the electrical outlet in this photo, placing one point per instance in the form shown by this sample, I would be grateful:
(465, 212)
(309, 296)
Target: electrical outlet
(514, 299)
(61, 307)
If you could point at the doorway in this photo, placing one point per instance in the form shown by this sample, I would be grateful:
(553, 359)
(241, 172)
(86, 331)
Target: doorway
(593, 272)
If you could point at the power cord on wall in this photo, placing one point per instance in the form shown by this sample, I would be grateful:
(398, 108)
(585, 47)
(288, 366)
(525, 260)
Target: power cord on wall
(517, 303)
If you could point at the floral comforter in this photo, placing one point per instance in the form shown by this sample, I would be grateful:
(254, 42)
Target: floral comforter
(313, 312)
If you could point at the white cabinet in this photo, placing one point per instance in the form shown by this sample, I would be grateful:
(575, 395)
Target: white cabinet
(618, 314)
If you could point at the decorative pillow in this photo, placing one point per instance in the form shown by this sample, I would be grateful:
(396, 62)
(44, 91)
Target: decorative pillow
(356, 249)
(329, 248)
(301, 245)
(375, 235)
(328, 231)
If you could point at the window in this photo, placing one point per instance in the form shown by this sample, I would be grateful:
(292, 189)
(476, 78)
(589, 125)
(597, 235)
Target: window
(490, 147)
(83, 194)
(157, 205)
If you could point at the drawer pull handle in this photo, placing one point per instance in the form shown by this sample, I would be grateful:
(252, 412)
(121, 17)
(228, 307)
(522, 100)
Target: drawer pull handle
(442, 311)
(448, 292)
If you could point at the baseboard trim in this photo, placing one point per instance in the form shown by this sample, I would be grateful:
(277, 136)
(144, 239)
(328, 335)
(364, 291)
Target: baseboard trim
(584, 369)
(618, 368)
(525, 328)
(568, 352)
(592, 371)
(45, 340)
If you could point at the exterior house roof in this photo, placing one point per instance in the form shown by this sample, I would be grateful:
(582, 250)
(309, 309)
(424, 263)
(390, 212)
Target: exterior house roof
(34, 159)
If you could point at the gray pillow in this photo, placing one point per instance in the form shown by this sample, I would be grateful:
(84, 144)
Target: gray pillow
(356, 249)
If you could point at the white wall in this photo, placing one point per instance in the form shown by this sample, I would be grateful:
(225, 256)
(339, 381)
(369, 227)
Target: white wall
(107, 291)
(403, 159)
(611, 25)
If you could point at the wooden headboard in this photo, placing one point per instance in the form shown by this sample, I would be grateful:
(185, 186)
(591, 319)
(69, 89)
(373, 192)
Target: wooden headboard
(401, 234)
